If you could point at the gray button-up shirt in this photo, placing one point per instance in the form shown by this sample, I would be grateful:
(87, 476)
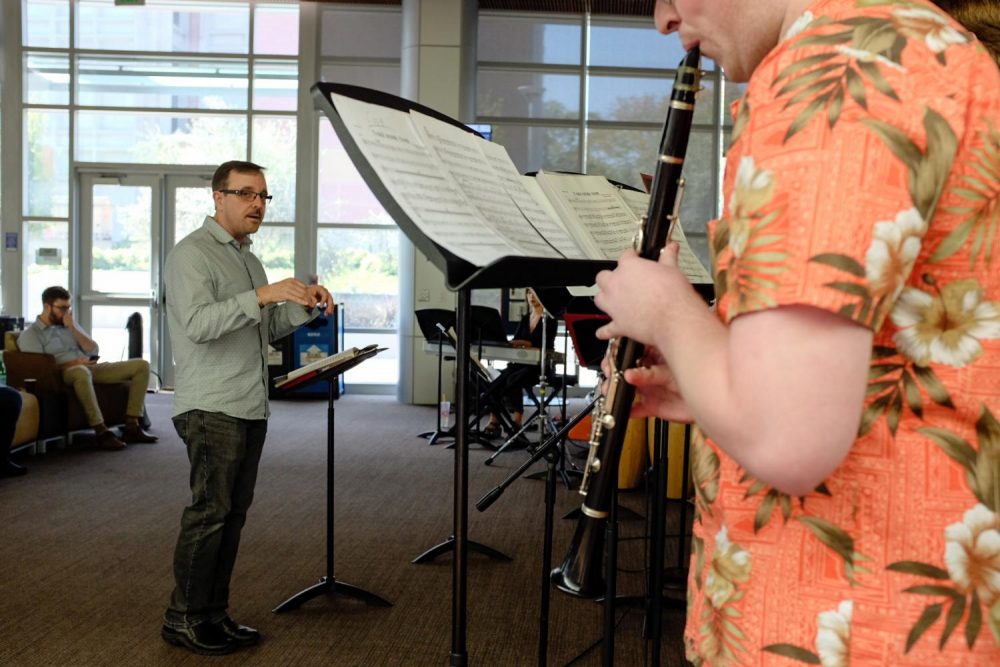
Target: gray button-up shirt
(53, 339)
(218, 332)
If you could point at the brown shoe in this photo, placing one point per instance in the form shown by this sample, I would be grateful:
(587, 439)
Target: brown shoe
(109, 441)
(133, 434)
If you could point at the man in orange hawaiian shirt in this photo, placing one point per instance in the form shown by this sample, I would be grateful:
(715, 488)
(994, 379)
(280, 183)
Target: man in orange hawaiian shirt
(846, 388)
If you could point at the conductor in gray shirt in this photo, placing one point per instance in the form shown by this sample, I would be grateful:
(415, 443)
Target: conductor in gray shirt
(222, 312)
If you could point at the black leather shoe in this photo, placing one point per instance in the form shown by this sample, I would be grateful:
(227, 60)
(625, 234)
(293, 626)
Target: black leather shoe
(242, 635)
(11, 469)
(203, 639)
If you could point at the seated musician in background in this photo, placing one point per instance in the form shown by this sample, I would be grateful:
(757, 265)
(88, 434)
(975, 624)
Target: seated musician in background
(515, 378)
(847, 377)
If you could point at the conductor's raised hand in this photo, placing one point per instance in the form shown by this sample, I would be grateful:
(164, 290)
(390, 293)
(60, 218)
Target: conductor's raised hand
(320, 296)
(288, 289)
(638, 293)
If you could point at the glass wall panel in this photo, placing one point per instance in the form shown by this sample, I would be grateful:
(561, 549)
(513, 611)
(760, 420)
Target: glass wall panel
(276, 29)
(343, 194)
(164, 25)
(617, 44)
(161, 83)
(360, 267)
(380, 369)
(159, 138)
(642, 99)
(361, 33)
(621, 155)
(523, 94)
(533, 148)
(275, 85)
(380, 77)
(108, 329)
(41, 270)
(120, 238)
(46, 23)
(274, 149)
(46, 78)
(46, 168)
(526, 39)
(274, 246)
(191, 205)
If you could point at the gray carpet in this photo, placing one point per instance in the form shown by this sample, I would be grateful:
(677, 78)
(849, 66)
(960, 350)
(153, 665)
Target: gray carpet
(88, 536)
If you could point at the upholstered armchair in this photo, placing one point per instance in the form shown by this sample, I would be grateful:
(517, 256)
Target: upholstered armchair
(59, 410)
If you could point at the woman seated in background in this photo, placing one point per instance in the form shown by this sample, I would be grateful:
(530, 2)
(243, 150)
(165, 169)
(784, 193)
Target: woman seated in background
(515, 378)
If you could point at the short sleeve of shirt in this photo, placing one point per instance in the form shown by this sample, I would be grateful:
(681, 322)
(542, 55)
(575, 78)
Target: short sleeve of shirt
(820, 208)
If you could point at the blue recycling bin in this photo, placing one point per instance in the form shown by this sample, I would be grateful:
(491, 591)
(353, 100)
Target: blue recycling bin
(310, 342)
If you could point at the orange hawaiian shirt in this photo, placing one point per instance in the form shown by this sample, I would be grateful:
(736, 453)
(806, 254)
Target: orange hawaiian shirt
(863, 179)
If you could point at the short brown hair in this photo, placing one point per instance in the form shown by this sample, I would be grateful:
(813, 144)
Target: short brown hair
(55, 293)
(221, 177)
(981, 17)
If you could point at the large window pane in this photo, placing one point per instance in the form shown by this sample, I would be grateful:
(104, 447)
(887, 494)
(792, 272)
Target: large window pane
(191, 205)
(275, 85)
(533, 148)
(527, 94)
(46, 79)
(164, 25)
(380, 369)
(527, 39)
(361, 268)
(642, 99)
(108, 329)
(275, 248)
(159, 138)
(274, 149)
(698, 207)
(276, 29)
(631, 44)
(46, 23)
(39, 271)
(620, 155)
(164, 83)
(380, 77)
(343, 194)
(120, 238)
(361, 33)
(46, 139)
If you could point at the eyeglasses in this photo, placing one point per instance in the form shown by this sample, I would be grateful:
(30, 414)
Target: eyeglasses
(62, 309)
(249, 195)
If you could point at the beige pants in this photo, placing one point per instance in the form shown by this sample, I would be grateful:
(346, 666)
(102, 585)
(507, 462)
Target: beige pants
(83, 378)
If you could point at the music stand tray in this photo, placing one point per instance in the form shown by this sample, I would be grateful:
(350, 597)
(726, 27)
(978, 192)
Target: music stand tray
(328, 583)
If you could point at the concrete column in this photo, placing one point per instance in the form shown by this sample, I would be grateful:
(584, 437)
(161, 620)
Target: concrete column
(11, 154)
(438, 69)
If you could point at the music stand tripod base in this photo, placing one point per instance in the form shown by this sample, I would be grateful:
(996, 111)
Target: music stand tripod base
(449, 545)
(327, 586)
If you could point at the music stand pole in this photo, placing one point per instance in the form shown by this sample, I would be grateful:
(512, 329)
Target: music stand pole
(329, 583)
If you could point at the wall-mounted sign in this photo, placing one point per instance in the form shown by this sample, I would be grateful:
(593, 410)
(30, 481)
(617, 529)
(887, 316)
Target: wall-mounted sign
(48, 256)
(10, 241)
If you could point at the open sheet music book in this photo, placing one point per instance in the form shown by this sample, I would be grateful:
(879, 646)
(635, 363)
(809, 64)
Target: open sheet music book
(345, 359)
(465, 194)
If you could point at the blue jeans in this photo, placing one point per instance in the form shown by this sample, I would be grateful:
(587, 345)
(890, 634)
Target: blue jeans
(224, 452)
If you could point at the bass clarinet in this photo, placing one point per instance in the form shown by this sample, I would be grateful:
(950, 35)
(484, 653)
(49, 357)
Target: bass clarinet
(581, 572)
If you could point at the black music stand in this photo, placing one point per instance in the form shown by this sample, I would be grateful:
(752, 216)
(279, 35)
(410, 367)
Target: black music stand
(461, 276)
(431, 321)
(328, 583)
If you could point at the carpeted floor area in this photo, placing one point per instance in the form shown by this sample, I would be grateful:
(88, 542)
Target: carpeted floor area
(88, 536)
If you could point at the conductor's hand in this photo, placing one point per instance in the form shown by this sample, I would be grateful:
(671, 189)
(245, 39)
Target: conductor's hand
(320, 296)
(296, 291)
(638, 294)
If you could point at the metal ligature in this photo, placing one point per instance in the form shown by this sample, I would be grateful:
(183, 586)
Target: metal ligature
(581, 572)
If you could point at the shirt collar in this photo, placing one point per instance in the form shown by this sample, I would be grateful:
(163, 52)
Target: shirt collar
(221, 235)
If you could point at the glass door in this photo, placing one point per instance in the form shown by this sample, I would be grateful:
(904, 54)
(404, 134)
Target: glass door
(129, 221)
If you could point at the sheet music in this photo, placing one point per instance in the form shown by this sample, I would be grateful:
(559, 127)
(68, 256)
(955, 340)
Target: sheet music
(530, 200)
(464, 162)
(687, 261)
(393, 148)
(596, 205)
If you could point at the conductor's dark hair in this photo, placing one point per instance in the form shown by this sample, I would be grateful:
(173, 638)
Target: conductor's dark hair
(55, 293)
(221, 177)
